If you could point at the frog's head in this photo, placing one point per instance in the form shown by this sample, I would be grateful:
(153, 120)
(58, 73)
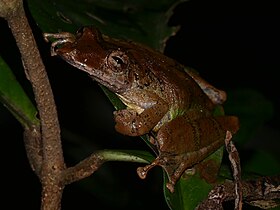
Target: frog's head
(104, 61)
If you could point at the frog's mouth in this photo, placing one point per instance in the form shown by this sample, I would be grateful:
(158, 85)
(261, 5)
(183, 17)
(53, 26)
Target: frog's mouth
(108, 84)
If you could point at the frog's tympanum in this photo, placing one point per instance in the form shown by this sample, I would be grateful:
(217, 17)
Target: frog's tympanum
(172, 105)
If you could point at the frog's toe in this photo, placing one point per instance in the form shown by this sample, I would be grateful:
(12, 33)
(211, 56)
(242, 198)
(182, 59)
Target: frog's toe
(143, 171)
(170, 186)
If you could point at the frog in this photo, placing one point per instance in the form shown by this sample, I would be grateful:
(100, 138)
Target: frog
(165, 100)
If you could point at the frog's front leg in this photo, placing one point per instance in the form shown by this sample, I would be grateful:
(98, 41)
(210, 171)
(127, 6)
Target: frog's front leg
(133, 122)
(62, 38)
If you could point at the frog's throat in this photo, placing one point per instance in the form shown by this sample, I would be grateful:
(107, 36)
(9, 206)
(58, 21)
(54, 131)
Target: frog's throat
(130, 105)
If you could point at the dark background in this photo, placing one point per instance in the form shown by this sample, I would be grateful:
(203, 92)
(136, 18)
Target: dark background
(232, 44)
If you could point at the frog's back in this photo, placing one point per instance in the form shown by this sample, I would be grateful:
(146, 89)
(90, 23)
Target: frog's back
(177, 87)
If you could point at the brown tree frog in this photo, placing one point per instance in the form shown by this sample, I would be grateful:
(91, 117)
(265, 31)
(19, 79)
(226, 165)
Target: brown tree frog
(174, 106)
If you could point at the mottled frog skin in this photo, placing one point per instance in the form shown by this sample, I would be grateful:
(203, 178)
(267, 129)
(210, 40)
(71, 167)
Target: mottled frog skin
(163, 99)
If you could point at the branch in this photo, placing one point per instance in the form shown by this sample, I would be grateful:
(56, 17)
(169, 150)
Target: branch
(263, 192)
(46, 156)
(36, 73)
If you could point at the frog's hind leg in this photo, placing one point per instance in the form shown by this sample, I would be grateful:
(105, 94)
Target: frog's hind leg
(182, 144)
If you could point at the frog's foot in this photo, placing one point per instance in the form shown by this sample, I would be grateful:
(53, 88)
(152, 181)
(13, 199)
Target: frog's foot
(130, 122)
(173, 175)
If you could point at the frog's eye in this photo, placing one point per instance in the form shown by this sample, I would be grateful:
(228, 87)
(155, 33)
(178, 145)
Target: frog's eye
(117, 61)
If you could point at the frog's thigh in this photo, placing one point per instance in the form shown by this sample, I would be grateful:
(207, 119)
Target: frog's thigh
(173, 136)
(183, 144)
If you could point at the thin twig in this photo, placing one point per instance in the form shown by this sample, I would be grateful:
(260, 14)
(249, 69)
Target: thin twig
(217, 196)
(236, 168)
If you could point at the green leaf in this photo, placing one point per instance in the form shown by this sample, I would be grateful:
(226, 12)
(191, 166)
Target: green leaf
(139, 20)
(14, 98)
(192, 192)
(113, 98)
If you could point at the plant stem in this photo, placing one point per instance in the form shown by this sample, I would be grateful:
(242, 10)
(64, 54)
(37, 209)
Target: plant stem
(90, 164)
